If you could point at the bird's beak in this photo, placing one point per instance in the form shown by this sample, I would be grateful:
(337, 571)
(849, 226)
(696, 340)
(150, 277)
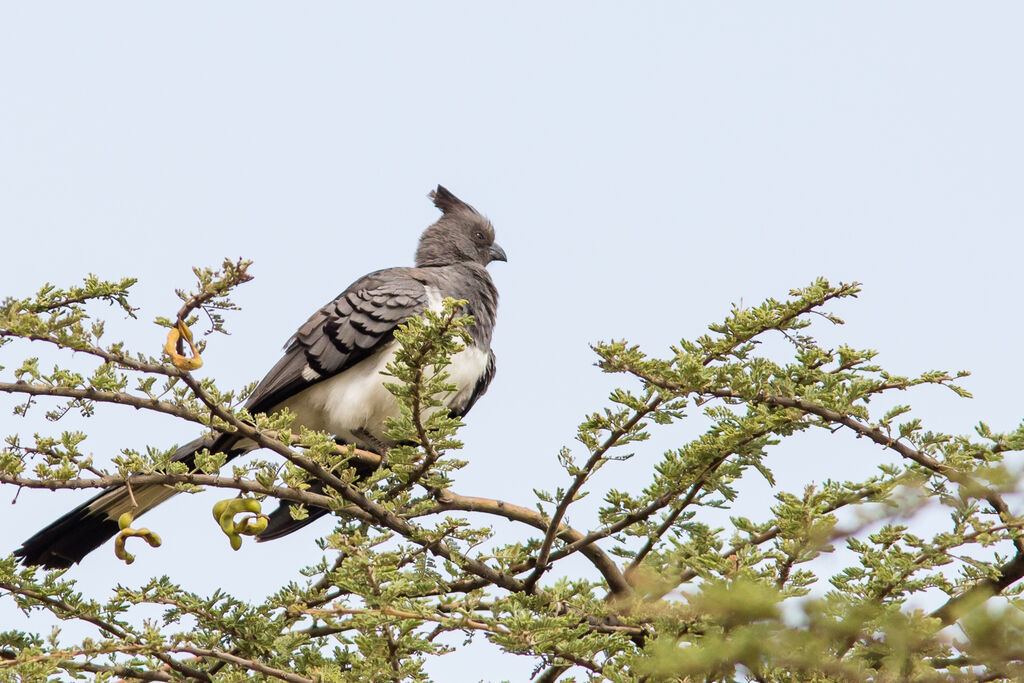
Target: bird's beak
(497, 253)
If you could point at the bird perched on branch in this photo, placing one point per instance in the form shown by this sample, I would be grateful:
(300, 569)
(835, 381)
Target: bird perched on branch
(330, 376)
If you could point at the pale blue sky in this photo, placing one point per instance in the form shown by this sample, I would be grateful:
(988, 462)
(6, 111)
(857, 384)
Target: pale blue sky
(645, 166)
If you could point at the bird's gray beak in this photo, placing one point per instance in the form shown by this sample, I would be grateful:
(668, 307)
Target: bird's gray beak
(497, 253)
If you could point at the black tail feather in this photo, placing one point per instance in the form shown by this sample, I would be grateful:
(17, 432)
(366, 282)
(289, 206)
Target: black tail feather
(69, 539)
(281, 522)
(84, 529)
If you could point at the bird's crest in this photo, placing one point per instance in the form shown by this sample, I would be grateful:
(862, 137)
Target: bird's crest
(447, 202)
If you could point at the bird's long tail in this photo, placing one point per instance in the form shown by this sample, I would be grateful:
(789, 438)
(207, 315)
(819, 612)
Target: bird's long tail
(91, 524)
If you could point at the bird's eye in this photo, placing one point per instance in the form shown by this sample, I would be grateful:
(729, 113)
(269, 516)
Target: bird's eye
(479, 235)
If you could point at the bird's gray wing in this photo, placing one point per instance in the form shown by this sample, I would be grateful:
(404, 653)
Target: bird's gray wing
(342, 333)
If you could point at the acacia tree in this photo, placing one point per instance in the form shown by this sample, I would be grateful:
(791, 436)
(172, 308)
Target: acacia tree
(670, 596)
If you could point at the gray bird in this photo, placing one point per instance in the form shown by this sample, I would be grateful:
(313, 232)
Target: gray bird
(330, 373)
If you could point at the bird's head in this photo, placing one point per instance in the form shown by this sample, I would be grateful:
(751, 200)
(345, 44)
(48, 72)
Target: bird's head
(461, 234)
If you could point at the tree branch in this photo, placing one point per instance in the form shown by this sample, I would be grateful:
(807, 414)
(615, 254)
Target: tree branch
(63, 608)
(541, 563)
(242, 663)
(169, 479)
(881, 438)
(1009, 573)
(123, 671)
(450, 622)
(604, 564)
(90, 394)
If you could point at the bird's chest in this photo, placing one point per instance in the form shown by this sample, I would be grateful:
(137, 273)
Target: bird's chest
(353, 405)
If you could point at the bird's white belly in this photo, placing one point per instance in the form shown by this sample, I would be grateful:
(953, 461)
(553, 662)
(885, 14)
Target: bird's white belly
(355, 403)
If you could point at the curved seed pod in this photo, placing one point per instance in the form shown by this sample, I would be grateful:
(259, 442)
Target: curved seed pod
(234, 507)
(224, 511)
(219, 507)
(182, 362)
(251, 526)
(120, 552)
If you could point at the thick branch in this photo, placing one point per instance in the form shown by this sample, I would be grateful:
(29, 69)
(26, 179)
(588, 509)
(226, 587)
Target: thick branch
(1009, 573)
(57, 656)
(450, 622)
(552, 673)
(604, 564)
(123, 671)
(117, 358)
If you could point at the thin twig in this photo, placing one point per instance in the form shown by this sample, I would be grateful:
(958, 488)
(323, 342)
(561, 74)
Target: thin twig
(90, 394)
(430, 454)
(541, 563)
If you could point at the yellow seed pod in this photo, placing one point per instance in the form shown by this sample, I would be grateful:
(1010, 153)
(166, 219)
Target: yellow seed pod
(251, 526)
(181, 332)
(119, 551)
(219, 507)
(234, 507)
(127, 532)
(224, 511)
(151, 537)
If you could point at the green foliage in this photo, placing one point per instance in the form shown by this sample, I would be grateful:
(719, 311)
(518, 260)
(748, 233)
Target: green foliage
(673, 593)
